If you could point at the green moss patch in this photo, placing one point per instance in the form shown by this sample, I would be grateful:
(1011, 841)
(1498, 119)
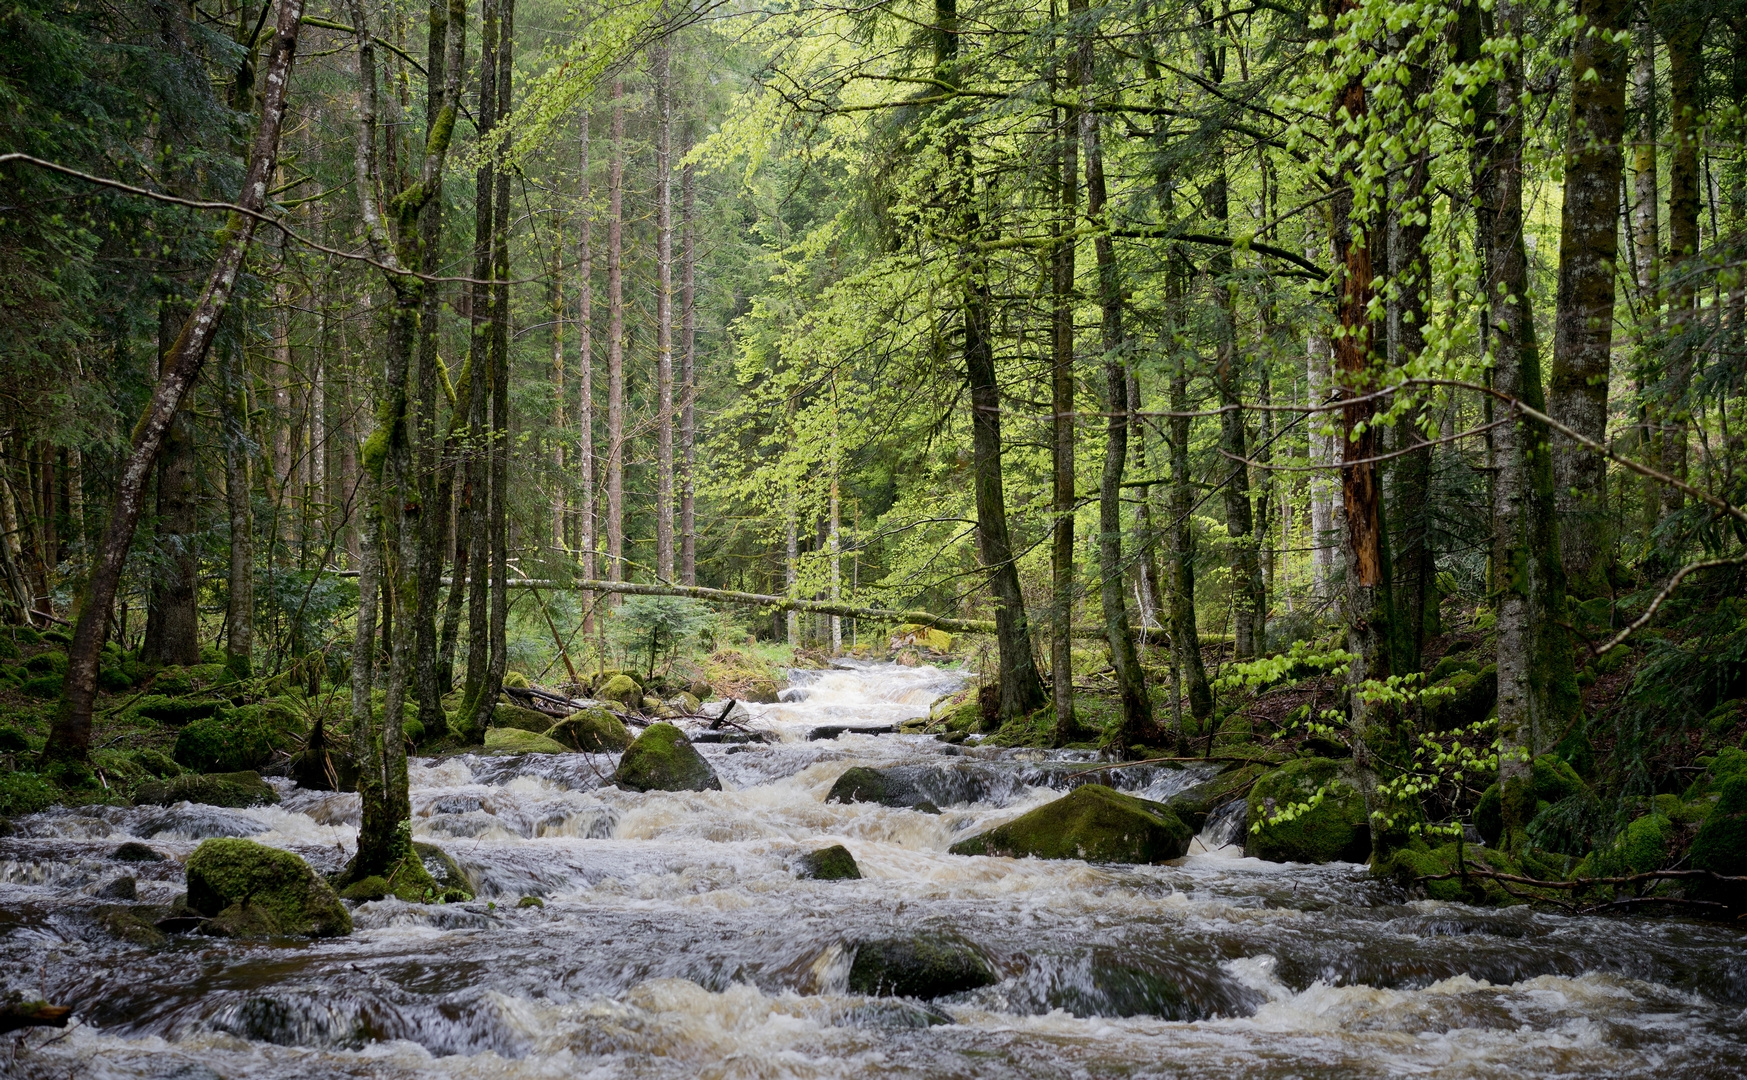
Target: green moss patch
(834, 863)
(515, 716)
(594, 731)
(503, 741)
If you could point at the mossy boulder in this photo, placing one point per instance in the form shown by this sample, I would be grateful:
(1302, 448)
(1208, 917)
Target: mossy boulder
(621, 689)
(236, 790)
(1410, 865)
(1642, 848)
(13, 741)
(249, 889)
(663, 759)
(47, 663)
(761, 691)
(373, 887)
(452, 882)
(593, 731)
(502, 741)
(834, 863)
(887, 787)
(1450, 666)
(925, 966)
(1721, 843)
(1466, 697)
(174, 711)
(42, 687)
(515, 716)
(233, 739)
(1335, 826)
(515, 679)
(1092, 822)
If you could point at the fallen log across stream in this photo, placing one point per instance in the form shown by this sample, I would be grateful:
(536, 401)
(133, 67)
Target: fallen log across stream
(1152, 635)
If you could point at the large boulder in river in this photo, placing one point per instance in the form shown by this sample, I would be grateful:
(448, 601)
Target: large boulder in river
(247, 889)
(235, 790)
(1308, 811)
(663, 759)
(888, 787)
(1193, 804)
(593, 731)
(1092, 822)
(926, 966)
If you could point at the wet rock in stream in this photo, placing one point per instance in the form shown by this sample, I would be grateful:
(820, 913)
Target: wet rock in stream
(663, 759)
(926, 966)
(833, 863)
(888, 787)
(235, 790)
(1091, 822)
(247, 889)
(134, 851)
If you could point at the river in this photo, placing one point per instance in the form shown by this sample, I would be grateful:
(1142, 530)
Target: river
(676, 940)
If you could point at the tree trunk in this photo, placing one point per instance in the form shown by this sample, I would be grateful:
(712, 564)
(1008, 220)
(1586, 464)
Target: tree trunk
(1063, 501)
(239, 632)
(1647, 251)
(663, 315)
(1319, 383)
(1185, 635)
(172, 620)
(1021, 688)
(500, 383)
(1584, 318)
(475, 707)
(399, 456)
(587, 534)
(1683, 31)
(1536, 682)
(70, 737)
(560, 504)
(616, 342)
(1361, 494)
(688, 372)
(1249, 616)
(1137, 727)
(1410, 283)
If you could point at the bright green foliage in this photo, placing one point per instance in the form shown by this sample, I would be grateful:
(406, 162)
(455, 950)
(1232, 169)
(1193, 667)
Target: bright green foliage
(663, 759)
(1092, 822)
(261, 890)
(1308, 811)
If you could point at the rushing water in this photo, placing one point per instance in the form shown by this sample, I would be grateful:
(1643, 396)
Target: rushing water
(676, 940)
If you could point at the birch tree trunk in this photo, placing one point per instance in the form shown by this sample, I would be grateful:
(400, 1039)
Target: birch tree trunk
(70, 737)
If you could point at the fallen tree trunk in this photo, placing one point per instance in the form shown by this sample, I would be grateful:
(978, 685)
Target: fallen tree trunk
(1151, 635)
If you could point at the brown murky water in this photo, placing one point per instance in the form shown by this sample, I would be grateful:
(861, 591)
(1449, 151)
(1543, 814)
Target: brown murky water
(676, 941)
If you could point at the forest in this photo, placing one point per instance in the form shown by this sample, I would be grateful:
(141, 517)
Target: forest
(1305, 427)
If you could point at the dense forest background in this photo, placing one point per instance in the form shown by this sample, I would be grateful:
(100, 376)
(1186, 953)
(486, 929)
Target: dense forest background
(1183, 351)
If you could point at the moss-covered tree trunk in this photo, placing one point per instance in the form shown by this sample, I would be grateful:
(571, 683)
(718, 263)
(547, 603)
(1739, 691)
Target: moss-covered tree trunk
(1584, 319)
(1063, 498)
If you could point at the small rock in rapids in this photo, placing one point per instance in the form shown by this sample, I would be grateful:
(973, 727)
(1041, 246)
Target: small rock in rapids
(134, 851)
(1092, 822)
(833, 863)
(249, 889)
(663, 759)
(927, 966)
(122, 888)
